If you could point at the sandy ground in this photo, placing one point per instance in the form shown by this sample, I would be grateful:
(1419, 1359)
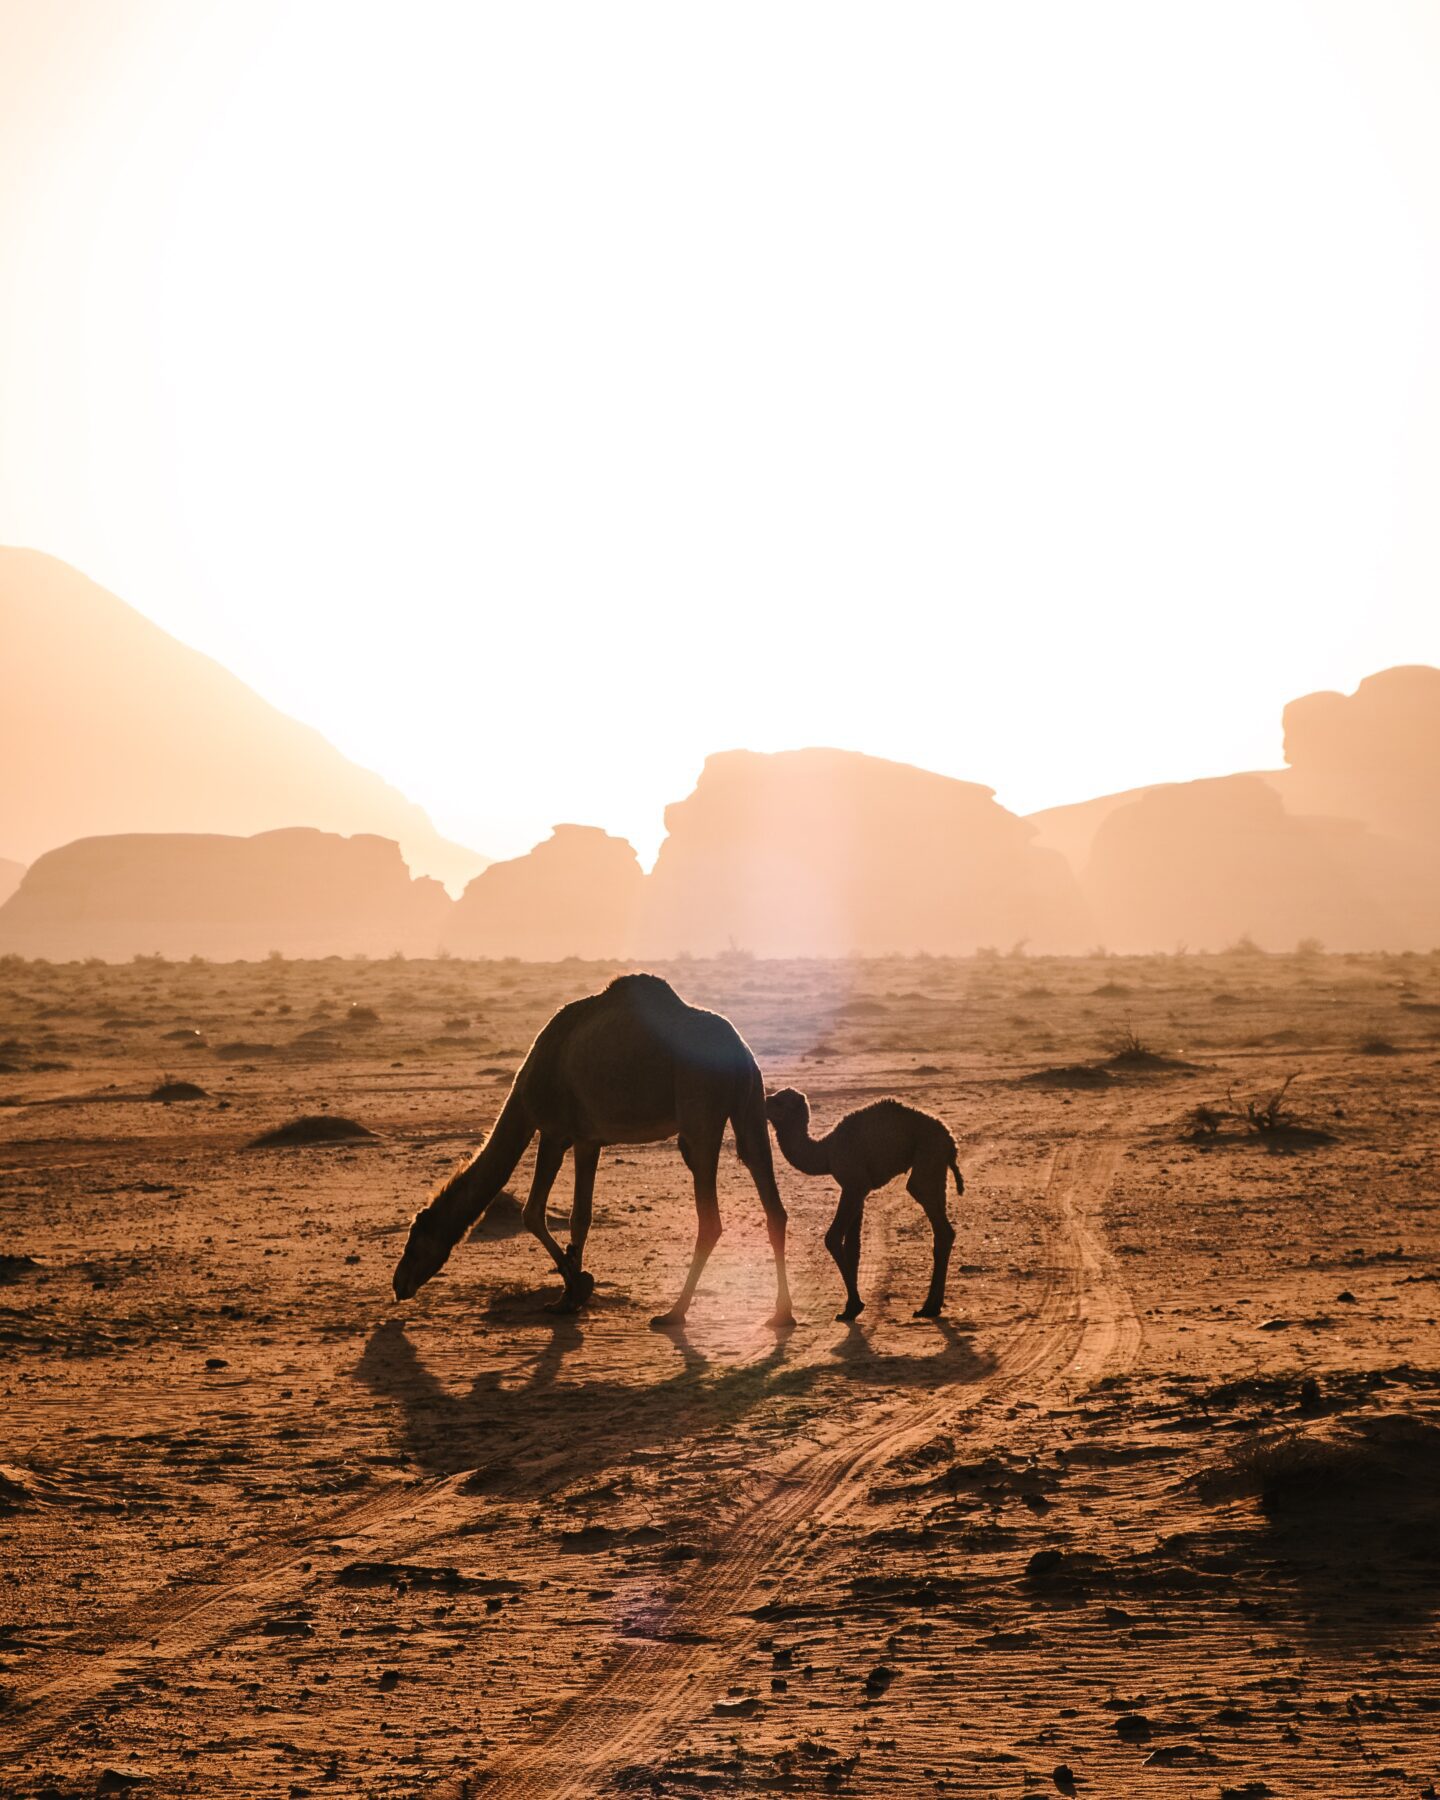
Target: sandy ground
(1153, 1509)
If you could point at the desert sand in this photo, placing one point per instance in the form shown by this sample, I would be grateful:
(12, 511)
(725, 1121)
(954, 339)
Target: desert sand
(1151, 1510)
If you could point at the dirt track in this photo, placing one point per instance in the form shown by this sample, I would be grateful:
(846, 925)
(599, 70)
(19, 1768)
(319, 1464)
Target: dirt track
(268, 1535)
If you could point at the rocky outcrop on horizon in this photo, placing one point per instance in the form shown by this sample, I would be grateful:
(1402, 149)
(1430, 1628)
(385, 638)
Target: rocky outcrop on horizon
(109, 725)
(1071, 829)
(576, 894)
(1208, 863)
(10, 874)
(1342, 846)
(298, 891)
(830, 853)
(1373, 755)
(833, 853)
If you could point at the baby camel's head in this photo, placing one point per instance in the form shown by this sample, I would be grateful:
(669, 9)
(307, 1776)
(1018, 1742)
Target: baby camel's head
(787, 1106)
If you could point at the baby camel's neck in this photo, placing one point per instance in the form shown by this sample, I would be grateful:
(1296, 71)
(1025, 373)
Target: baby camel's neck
(802, 1151)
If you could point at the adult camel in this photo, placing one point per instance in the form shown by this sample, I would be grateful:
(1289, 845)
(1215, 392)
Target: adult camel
(631, 1065)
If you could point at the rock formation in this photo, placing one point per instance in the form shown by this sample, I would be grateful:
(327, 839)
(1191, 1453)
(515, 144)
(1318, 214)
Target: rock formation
(302, 892)
(10, 873)
(1373, 755)
(1206, 863)
(1343, 845)
(829, 852)
(108, 725)
(577, 894)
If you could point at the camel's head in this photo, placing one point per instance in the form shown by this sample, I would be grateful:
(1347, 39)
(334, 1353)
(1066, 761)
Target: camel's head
(425, 1255)
(787, 1106)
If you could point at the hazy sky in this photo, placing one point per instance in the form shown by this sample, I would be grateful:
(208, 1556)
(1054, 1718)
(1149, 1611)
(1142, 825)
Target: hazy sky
(536, 397)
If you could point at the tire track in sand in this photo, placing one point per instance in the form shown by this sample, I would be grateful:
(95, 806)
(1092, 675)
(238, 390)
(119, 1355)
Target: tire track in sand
(226, 1599)
(1084, 1326)
(213, 1605)
(646, 1691)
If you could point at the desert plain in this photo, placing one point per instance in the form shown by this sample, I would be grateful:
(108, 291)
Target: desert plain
(1154, 1509)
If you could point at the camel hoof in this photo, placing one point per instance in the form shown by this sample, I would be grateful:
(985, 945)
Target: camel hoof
(671, 1321)
(851, 1312)
(584, 1286)
(781, 1321)
(567, 1303)
(927, 1312)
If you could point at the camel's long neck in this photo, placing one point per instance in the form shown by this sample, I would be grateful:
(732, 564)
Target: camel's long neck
(807, 1154)
(466, 1194)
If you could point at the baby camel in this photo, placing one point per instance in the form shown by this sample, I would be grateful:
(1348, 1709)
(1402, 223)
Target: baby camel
(865, 1150)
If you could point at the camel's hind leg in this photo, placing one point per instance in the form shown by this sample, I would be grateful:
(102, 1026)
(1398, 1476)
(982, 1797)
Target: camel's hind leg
(549, 1155)
(927, 1184)
(752, 1144)
(701, 1150)
(842, 1240)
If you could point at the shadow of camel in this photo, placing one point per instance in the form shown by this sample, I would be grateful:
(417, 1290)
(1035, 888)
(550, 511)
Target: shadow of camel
(569, 1430)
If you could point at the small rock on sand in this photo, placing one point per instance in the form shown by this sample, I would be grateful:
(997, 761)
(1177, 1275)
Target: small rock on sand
(742, 1708)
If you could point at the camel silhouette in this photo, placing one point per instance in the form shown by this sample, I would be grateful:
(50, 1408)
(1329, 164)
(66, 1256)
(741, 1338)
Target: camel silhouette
(631, 1065)
(865, 1150)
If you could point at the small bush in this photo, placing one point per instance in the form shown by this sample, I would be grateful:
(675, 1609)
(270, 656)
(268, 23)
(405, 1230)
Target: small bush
(1270, 1115)
(313, 1128)
(167, 1090)
(1128, 1045)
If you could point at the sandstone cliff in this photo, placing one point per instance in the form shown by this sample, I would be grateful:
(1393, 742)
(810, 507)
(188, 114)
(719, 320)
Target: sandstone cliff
(302, 892)
(829, 852)
(577, 894)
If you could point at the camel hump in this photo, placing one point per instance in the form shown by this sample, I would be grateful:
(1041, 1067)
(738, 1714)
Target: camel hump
(643, 988)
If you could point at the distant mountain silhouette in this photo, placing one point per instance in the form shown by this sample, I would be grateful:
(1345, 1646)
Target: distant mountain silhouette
(577, 894)
(108, 724)
(302, 892)
(1373, 755)
(1343, 845)
(1071, 829)
(806, 852)
(10, 873)
(1205, 863)
(830, 852)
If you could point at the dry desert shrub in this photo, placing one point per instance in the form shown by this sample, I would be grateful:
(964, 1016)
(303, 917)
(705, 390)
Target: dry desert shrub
(1268, 1115)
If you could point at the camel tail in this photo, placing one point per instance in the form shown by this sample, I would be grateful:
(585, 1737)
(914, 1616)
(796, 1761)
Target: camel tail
(955, 1169)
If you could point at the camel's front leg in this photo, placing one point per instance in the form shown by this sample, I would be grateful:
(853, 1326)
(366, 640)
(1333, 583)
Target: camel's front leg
(548, 1158)
(587, 1161)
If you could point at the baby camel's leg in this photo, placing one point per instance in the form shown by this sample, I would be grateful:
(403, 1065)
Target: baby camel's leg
(927, 1184)
(842, 1240)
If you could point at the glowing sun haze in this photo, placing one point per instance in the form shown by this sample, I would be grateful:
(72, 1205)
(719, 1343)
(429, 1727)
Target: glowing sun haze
(538, 397)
